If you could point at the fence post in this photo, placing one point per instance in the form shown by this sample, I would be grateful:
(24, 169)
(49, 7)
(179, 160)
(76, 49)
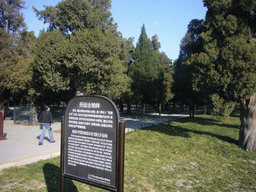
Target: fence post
(14, 114)
(30, 114)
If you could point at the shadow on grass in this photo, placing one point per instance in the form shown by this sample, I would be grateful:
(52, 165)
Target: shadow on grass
(184, 132)
(52, 179)
(207, 121)
(236, 112)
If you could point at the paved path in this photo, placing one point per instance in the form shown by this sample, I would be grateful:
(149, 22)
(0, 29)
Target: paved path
(21, 146)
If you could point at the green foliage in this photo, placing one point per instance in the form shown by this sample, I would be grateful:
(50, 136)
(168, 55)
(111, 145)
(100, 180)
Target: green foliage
(19, 75)
(18, 71)
(90, 61)
(156, 44)
(145, 70)
(10, 17)
(10, 21)
(226, 65)
(82, 51)
(25, 43)
(5, 47)
(183, 75)
(165, 79)
(70, 16)
(50, 56)
(219, 107)
(15, 54)
(102, 62)
(5, 57)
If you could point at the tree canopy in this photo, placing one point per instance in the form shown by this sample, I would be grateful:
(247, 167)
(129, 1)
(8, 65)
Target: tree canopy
(225, 68)
(145, 70)
(165, 79)
(70, 16)
(82, 50)
(226, 65)
(11, 19)
(191, 43)
(16, 45)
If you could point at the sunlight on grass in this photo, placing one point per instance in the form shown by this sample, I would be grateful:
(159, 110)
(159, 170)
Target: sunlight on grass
(190, 154)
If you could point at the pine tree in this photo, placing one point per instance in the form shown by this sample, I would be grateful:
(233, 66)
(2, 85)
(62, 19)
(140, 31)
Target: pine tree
(145, 70)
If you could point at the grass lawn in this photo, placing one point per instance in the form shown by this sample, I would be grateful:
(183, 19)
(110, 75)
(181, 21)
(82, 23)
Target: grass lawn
(190, 154)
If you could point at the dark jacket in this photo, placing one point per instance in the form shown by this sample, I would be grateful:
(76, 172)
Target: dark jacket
(46, 117)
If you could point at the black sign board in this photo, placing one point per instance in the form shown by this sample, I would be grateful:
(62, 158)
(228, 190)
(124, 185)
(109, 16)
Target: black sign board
(90, 142)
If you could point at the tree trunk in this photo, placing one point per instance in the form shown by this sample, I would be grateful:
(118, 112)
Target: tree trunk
(247, 134)
(128, 107)
(143, 109)
(121, 107)
(205, 109)
(174, 108)
(191, 108)
(160, 109)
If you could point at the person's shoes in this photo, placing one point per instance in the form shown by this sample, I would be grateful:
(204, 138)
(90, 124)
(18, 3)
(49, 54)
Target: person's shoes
(52, 141)
(40, 143)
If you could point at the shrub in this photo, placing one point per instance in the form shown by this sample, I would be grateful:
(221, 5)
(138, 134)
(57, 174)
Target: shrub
(219, 107)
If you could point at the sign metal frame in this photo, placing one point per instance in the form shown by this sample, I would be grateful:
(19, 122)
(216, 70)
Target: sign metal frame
(117, 134)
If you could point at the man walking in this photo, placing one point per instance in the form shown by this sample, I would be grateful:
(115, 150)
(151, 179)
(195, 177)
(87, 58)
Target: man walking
(46, 120)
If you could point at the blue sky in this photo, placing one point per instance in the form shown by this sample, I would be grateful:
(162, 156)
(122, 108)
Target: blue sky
(168, 19)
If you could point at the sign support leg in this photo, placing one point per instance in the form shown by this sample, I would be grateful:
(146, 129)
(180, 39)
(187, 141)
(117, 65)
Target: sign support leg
(121, 156)
(62, 179)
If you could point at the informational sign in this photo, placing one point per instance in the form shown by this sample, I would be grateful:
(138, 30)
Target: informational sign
(91, 141)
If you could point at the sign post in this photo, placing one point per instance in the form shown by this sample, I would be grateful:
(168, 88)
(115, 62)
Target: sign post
(92, 143)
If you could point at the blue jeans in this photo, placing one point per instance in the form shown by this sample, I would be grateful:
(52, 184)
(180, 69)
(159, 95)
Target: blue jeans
(46, 126)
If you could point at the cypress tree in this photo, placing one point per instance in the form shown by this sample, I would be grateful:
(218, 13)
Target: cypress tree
(15, 53)
(82, 51)
(190, 44)
(226, 66)
(165, 79)
(145, 70)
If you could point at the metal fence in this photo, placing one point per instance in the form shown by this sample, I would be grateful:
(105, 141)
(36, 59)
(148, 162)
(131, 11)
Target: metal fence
(25, 114)
(30, 114)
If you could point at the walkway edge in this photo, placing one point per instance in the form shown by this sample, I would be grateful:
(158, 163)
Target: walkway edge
(29, 160)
